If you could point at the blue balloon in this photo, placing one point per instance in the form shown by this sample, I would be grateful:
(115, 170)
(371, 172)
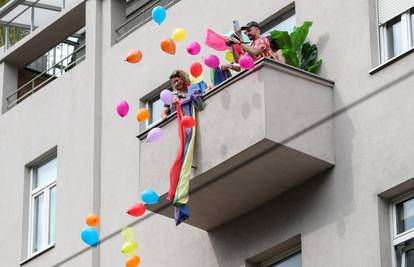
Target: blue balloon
(90, 236)
(149, 196)
(158, 14)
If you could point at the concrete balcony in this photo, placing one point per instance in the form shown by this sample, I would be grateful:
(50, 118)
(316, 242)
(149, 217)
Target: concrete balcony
(262, 133)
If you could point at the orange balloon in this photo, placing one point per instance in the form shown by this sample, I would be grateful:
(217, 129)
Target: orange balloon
(142, 114)
(168, 46)
(134, 56)
(133, 261)
(92, 220)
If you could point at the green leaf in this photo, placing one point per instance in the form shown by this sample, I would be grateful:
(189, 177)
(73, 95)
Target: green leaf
(309, 55)
(299, 35)
(282, 38)
(315, 67)
(291, 57)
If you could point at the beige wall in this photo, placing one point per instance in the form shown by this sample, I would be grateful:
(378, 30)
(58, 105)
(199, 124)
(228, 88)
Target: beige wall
(336, 213)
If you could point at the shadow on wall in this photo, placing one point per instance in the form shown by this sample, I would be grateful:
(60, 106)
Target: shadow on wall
(323, 200)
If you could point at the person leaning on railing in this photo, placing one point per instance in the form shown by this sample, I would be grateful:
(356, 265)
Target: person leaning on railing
(259, 48)
(181, 85)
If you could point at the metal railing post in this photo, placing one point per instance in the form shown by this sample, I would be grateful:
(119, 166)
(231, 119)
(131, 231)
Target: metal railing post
(32, 19)
(6, 37)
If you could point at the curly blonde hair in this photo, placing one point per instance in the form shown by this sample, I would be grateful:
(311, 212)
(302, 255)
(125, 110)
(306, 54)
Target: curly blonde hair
(183, 76)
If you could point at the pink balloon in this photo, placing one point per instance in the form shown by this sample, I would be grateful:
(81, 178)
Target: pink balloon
(246, 62)
(122, 108)
(212, 61)
(154, 135)
(193, 48)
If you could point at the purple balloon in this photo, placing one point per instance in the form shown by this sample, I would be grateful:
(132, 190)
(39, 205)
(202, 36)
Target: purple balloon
(122, 108)
(212, 61)
(193, 48)
(246, 62)
(166, 97)
(154, 135)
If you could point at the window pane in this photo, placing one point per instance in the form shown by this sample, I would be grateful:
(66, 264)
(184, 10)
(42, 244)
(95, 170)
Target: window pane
(52, 215)
(405, 215)
(156, 108)
(409, 258)
(38, 222)
(292, 261)
(286, 25)
(45, 174)
(394, 37)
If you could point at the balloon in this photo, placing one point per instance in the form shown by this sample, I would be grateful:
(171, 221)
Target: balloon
(129, 248)
(179, 35)
(196, 80)
(229, 56)
(246, 62)
(188, 122)
(128, 234)
(154, 135)
(166, 96)
(92, 220)
(122, 108)
(142, 114)
(159, 14)
(168, 46)
(212, 61)
(193, 48)
(90, 236)
(134, 56)
(149, 196)
(196, 69)
(136, 210)
(133, 261)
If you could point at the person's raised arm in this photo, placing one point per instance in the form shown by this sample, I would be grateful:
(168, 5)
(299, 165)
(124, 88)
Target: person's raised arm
(165, 112)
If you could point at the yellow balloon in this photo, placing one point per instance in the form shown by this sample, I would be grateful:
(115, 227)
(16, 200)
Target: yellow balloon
(196, 80)
(229, 56)
(129, 248)
(179, 35)
(128, 234)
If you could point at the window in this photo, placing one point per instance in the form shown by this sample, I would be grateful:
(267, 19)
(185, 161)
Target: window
(396, 30)
(289, 258)
(42, 206)
(294, 260)
(284, 22)
(403, 233)
(155, 107)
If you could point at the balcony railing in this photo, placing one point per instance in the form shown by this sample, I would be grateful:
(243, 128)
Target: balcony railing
(46, 77)
(140, 17)
(262, 133)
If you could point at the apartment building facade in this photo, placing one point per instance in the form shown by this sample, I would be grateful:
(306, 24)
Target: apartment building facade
(290, 169)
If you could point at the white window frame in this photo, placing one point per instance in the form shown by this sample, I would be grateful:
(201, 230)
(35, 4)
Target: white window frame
(33, 194)
(406, 37)
(398, 239)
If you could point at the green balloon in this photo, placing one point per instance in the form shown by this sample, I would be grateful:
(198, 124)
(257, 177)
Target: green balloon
(129, 248)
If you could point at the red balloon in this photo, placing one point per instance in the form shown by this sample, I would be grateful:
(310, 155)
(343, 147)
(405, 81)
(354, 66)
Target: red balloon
(188, 122)
(136, 210)
(196, 69)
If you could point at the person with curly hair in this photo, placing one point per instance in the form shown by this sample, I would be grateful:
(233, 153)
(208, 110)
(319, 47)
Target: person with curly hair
(180, 83)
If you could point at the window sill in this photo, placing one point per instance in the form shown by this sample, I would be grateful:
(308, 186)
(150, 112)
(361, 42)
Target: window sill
(37, 254)
(391, 61)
